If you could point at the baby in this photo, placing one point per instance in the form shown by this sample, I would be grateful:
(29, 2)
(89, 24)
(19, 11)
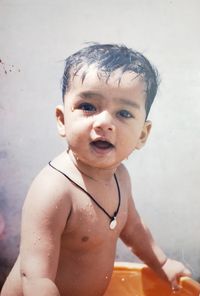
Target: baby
(81, 202)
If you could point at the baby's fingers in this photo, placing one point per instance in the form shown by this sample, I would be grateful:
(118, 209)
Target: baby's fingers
(175, 285)
(186, 272)
(175, 282)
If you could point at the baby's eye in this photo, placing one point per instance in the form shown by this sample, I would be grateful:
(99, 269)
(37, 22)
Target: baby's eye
(87, 107)
(125, 114)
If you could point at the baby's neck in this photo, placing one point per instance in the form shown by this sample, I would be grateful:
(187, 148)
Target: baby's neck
(92, 173)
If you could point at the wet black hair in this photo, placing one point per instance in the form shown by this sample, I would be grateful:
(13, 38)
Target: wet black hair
(108, 58)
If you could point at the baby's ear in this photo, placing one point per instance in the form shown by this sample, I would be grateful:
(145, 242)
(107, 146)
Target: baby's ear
(60, 120)
(144, 134)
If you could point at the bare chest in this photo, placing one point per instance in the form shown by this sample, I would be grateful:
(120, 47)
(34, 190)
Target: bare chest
(91, 224)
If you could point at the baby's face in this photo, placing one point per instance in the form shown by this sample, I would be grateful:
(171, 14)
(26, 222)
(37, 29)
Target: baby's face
(105, 119)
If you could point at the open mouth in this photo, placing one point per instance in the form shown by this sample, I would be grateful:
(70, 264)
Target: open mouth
(102, 144)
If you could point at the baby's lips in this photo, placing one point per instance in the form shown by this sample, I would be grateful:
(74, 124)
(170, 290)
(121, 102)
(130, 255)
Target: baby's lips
(102, 144)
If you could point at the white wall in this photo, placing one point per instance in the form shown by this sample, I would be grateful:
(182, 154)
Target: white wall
(35, 38)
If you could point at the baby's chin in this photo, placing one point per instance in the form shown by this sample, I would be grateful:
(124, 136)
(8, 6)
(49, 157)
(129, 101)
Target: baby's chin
(100, 164)
(104, 159)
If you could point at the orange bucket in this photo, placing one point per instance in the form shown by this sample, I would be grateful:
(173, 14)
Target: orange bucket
(132, 279)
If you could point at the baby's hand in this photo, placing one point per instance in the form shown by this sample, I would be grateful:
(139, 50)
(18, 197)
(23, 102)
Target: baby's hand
(173, 271)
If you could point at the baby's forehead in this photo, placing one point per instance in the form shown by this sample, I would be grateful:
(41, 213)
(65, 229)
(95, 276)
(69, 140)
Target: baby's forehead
(92, 72)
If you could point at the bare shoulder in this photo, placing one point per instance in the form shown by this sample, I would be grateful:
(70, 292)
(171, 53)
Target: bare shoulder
(48, 196)
(124, 177)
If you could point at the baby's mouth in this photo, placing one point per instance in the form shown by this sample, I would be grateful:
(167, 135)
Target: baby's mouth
(100, 144)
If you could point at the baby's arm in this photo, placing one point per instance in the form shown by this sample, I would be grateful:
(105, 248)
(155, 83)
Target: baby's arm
(137, 236)
(44, 217)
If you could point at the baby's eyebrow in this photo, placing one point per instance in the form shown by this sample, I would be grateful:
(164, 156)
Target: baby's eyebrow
(129, 103)
(122, 101)
(90, 94)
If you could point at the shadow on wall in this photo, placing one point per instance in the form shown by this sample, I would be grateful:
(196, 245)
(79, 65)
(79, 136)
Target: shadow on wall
(9, 235)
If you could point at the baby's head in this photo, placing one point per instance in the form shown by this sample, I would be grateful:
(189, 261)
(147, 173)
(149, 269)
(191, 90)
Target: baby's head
(110, 57)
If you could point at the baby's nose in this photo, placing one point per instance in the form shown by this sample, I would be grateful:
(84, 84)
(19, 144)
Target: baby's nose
(104, 121)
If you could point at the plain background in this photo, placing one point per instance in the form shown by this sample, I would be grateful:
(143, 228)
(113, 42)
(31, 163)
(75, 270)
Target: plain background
(35, 38)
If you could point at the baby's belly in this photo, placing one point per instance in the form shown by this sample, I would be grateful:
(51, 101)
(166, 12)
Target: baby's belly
(86, 274)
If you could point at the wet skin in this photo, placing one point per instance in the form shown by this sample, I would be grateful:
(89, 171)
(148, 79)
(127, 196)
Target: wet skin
(88, 245)
(65, 236)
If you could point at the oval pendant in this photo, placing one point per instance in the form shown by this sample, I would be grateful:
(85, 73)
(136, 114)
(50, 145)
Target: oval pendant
(113, 224)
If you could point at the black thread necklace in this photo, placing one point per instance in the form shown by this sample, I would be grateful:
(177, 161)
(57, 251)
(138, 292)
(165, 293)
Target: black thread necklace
(113, 221)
